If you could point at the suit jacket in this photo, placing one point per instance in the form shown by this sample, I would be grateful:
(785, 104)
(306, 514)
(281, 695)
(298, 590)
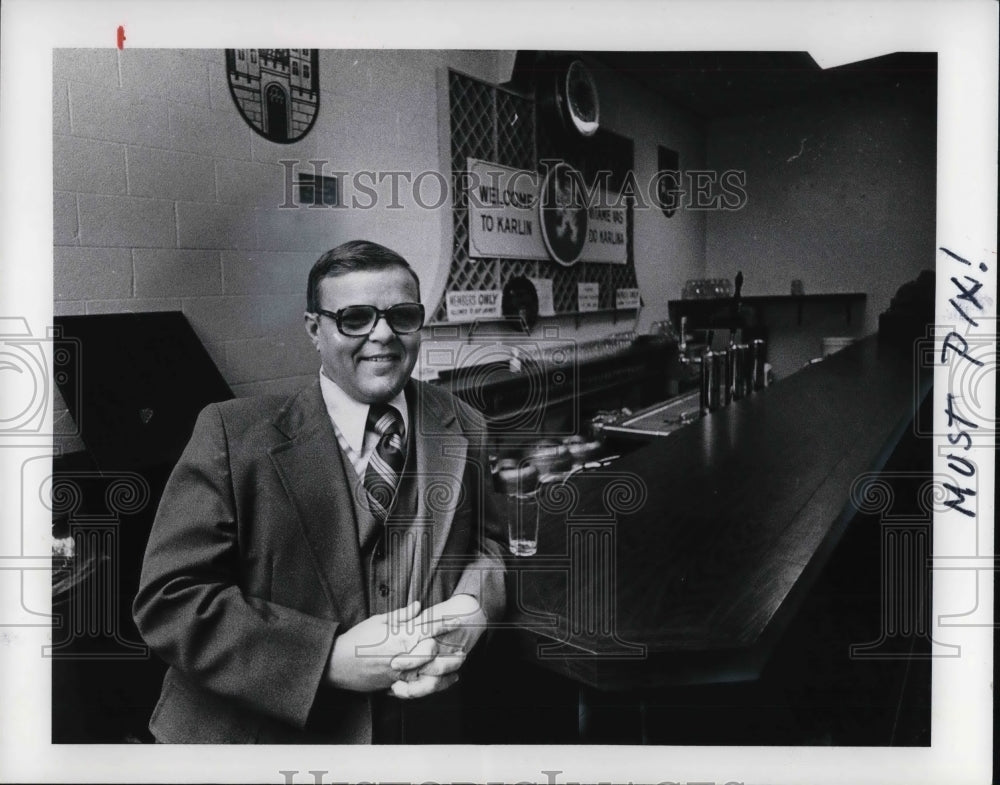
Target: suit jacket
(253, 564)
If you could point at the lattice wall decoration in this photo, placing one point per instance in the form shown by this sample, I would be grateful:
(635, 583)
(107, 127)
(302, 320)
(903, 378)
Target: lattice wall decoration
(494, 124)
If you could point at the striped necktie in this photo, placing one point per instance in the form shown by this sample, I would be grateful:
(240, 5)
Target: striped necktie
(386, 461)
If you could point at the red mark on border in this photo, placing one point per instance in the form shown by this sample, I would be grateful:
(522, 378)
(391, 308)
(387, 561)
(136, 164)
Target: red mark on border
(121, 36)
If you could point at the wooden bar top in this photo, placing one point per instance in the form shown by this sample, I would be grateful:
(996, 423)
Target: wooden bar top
(682, 561)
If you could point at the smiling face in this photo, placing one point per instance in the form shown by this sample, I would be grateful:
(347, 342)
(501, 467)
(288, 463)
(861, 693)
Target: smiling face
(372, 368)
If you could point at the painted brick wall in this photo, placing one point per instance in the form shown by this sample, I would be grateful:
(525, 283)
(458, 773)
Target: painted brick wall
(668, 251)
(165, 199)
(841, 194)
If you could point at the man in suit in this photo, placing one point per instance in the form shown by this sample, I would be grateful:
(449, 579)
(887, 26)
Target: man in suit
(320, 567)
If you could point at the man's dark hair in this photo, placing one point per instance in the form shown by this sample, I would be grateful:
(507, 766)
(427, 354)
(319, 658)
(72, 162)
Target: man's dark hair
(351, 257)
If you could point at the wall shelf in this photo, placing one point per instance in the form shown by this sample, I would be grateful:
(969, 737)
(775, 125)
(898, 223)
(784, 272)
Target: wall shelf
(511, 328)
(714, 311)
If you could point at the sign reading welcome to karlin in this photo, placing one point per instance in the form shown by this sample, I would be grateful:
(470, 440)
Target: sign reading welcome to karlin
(503, 212)
(505, 220)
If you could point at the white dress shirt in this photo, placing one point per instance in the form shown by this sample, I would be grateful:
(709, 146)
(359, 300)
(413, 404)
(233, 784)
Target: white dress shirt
(350, 417)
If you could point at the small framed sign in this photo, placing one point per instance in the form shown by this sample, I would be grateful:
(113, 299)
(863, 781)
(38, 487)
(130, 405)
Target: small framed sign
(626, 298)
(667, 180)
(546, 304)
(588, 296)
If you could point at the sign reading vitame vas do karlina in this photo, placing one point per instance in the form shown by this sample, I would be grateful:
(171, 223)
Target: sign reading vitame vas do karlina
(508, 216)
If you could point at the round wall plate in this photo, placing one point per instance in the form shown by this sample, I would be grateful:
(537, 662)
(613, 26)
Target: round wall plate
(520, 301)
(562, 213)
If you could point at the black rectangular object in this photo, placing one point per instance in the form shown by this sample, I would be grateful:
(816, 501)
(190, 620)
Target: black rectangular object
(137, 385)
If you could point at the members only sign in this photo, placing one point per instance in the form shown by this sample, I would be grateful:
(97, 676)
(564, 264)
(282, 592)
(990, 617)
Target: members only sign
(472, 305)
(505, 217)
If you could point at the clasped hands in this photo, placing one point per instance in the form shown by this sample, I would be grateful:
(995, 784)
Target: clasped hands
(409, 653)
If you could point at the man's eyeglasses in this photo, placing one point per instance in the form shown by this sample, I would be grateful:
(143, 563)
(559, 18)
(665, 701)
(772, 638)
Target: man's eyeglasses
(357, 320)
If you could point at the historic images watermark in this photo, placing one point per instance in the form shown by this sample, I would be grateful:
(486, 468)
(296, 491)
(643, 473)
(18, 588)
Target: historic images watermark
(550, 370)
(311, 184)
(29, 364)
(586, 559)
(548, 777)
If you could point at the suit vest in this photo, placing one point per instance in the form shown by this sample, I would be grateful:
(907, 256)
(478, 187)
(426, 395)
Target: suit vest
(391, 552)
(395, 562)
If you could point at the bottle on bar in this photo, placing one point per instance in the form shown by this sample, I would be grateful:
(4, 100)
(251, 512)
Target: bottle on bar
(709, 397)
(759, 355)
(746, 370)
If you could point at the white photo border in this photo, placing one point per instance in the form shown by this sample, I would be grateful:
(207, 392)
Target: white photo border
(964, 34)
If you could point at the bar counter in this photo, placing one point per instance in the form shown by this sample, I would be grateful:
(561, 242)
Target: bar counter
(682, 562)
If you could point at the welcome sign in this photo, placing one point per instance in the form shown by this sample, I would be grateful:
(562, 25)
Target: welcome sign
(503, 212)
(505, 217)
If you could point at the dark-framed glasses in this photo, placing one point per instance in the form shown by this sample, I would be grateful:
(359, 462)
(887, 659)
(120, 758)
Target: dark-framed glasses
(357, 320)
